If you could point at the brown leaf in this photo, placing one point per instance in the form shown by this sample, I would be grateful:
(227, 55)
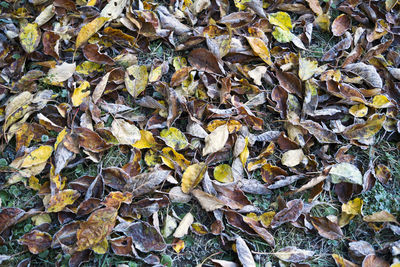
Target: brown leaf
(145, 237)
(92, 53)
(204, 60)
(145, 182)
(37, 241)
(289, 214)
(262, 232)
(290, 82)
(9, 217)
(327, 228)
(373, 260)
(340, 25)
(90, 140)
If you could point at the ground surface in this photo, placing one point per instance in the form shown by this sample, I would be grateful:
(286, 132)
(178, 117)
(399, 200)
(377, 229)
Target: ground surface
(183, 133)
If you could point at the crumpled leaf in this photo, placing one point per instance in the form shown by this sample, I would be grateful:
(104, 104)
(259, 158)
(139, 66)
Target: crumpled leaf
(289, 214)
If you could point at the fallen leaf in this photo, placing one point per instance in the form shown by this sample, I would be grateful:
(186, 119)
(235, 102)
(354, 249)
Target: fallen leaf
(216, 140)
(292, 158)
(244, 253)
(207, 201)
(88, 30)
(293, 254)
(345, 172)
(126, 133)
(184, 225)
(193, 176)
(174, 138)
(37, 241)
(37, 156)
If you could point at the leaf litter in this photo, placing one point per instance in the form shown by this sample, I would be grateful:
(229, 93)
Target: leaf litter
(242, 110)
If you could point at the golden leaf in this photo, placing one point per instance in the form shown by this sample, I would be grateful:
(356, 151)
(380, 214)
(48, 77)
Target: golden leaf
(193, 176)
(88, 30)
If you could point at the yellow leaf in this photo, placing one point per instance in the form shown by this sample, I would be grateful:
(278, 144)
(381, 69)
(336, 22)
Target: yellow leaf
(282, 35)
(365, 131)
(60, 137)
(30, 37)
(178, 246)
(62, 199)
(151, 158)
(260, 49)
(88, 67)
(146, 140)
(223, 173)
(34, 183)
(342, 262)
(245, 153)
(138, 85)
(307, 68)
(193, 176)
(233, 125)
(281, 19)
(323, 21)
(359, 110)
(91, 233)
(353, 207)
(101, 247)
(169, 156)
(174, 138)
(179, 62)
(266, 218)
(40, 219)
(37, 156)
(80, 93)
(155, 74)
(88, 30)
(381, 101)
